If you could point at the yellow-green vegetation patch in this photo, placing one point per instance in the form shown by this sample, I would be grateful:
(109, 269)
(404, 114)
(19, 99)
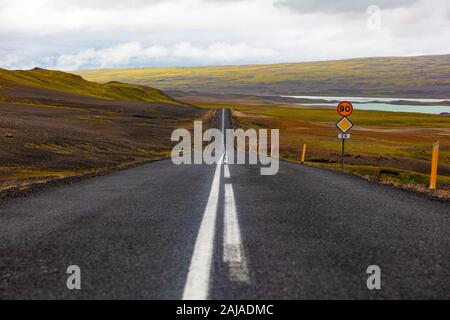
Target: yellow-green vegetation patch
(95, 119)
(51, 147)
(28, 173)
(157, 153)
(23, 177)
(359, 118)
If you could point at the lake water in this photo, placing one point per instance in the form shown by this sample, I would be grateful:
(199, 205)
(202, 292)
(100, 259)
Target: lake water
(381, 104)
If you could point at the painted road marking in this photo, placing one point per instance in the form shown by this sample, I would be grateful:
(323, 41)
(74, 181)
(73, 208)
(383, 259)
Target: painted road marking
(226, 171)
(197, 283)
(223, 127)
(233, 253)
(198, 280)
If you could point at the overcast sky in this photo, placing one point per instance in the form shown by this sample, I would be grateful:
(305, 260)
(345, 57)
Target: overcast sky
(84, 34)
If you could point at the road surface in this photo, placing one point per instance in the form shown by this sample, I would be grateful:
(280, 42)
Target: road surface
(161, 231)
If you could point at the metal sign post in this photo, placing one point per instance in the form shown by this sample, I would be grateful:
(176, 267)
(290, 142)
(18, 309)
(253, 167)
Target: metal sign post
(344, 109)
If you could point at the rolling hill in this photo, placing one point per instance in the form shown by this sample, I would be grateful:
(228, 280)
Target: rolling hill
(408, 77)
(57, 125)
(75, 84)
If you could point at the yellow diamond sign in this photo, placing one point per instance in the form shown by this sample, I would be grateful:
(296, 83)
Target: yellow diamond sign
(344, 125)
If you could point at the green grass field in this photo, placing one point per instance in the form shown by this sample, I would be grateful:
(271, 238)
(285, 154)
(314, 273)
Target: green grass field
(390, 147)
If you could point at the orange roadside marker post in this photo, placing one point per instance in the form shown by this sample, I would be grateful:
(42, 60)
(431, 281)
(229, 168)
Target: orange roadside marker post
(303, 154)
(434, 167)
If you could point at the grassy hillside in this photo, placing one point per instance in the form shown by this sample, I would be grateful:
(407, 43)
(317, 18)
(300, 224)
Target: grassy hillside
(56, 125)
(415, 77)
(71, 83)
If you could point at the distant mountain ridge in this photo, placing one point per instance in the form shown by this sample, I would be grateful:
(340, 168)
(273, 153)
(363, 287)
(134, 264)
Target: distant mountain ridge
(408, 77)
(75, 84)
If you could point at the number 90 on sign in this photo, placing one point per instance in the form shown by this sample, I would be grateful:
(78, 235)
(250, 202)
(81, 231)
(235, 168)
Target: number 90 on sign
(345, 108)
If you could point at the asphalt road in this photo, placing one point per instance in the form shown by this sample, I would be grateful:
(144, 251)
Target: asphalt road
(161, 231)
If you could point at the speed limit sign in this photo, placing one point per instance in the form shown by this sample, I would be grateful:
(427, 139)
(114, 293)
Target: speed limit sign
(345, 108)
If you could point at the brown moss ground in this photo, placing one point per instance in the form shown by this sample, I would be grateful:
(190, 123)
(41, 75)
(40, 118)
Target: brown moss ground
(47, 134)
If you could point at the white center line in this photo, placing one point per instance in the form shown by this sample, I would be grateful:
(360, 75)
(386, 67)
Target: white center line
(223, 139)
(226, 171)
(198, 280)
(197, 283)
(233, 250)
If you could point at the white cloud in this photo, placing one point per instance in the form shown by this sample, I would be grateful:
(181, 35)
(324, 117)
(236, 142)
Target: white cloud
(134, 53)
(341, 5)
(73, 34)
